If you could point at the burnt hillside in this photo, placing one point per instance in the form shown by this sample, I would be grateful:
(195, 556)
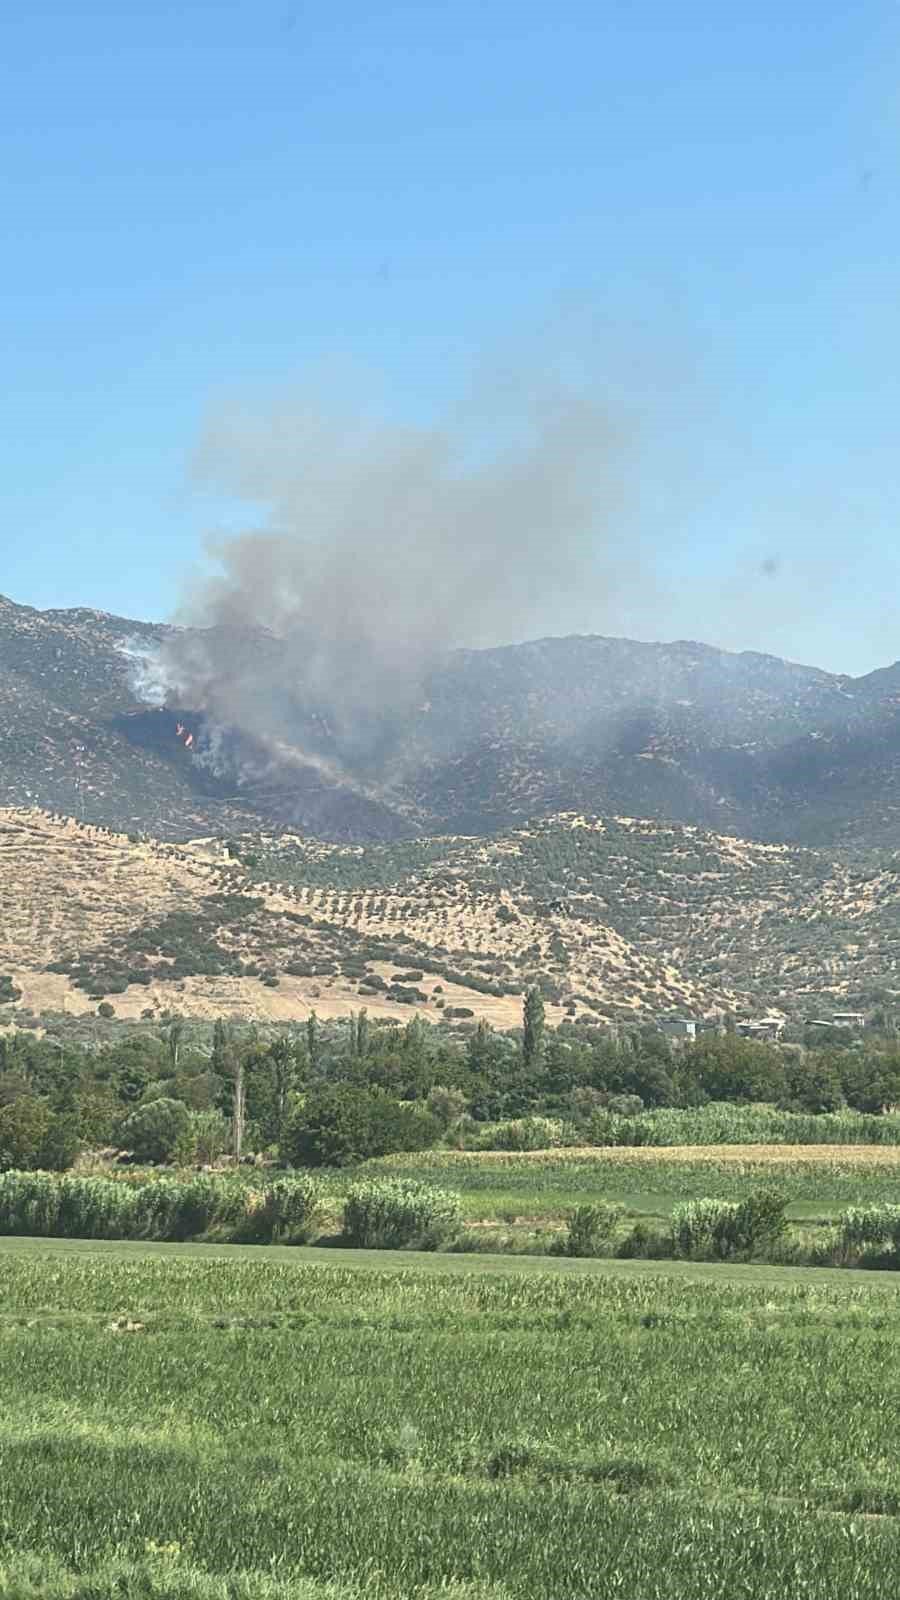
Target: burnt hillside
(745, 743)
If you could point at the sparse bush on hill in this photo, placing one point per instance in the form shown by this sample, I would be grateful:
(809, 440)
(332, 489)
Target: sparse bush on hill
(354, 967)
(406, 997)
(181, 944)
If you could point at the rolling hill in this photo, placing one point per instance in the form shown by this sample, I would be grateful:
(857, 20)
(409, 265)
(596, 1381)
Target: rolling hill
(615, 918)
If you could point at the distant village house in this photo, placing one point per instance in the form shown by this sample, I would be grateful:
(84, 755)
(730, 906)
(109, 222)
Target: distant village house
(678, 1027)
(763, 1028)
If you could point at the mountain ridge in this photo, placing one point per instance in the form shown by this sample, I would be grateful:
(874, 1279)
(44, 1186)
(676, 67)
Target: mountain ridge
(748, 743)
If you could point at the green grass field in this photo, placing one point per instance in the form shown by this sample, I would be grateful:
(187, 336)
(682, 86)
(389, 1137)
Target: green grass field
(818, 1181)
(332, 1424)
(437, 1264)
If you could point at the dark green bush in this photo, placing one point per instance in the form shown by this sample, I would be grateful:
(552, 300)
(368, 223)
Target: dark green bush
(644, 1242)
(341, 1124)
(33, 1137)
(153, 1132)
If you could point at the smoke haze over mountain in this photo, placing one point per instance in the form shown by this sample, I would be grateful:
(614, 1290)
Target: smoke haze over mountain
(381, 547)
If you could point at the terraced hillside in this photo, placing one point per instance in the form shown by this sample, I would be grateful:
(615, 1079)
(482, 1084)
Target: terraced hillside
(614, 918)
(626, 905)
(89, 915)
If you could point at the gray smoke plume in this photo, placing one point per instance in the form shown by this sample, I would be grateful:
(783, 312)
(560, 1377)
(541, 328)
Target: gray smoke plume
(380, 548)
(147, 675)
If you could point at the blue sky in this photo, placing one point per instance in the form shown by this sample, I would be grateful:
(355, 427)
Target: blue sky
(211, 205)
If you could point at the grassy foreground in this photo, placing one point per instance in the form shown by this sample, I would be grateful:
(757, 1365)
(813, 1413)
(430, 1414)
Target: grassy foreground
(331, 1424)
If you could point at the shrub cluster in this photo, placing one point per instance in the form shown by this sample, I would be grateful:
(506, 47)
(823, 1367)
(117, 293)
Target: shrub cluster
(590, 1230)
(285, 1211)
(340, 1124)
(398, 1214)
(870, 1231)
(721, 1230)
(723, 1123)
(523, 1133)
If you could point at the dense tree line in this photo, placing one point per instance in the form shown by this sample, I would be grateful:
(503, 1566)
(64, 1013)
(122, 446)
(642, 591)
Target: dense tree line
(334, 1093)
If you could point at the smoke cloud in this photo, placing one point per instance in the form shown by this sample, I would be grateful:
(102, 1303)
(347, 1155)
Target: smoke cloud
(147, 675)
(380, 548)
